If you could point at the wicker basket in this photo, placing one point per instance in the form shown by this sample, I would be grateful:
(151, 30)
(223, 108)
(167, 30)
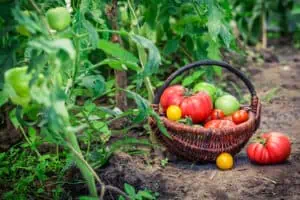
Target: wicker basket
(199, 143)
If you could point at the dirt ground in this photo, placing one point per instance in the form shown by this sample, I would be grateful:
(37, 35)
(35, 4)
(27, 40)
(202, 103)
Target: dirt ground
(190, 181)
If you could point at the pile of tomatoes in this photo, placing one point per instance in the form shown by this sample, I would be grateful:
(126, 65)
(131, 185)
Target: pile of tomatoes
(205, 105)
(215, 109)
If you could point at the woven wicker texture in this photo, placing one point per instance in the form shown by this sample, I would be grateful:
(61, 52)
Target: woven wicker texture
(201, 144)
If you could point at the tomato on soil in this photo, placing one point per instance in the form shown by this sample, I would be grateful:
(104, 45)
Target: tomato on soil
(269, 148)
(224, 161)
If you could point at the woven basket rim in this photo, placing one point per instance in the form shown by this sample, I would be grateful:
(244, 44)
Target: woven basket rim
(195, 130)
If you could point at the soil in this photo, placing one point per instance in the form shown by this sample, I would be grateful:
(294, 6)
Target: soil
(192, 181)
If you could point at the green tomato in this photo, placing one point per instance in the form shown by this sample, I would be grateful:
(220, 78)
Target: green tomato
(206, 87)
(58, 18)
(17, 85)
(228, 104)
(21, 29)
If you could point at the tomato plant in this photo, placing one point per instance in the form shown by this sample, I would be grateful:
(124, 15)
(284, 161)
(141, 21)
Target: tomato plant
(269, 148)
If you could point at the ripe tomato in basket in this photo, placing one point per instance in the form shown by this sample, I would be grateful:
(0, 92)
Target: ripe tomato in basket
(269, 148)
(196, 106)
(240, 116)
(217, 114)
(217, 123)
(173, 95)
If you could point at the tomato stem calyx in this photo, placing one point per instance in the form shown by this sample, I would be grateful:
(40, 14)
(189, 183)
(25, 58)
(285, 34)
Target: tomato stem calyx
(260, 140)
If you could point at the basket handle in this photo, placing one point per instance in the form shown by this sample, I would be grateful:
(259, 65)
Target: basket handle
(238, 73)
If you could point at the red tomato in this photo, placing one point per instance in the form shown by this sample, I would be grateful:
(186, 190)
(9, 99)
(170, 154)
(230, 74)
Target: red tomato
(217, 114)
(272, 148)
(173, 95)
(240, 116)
(217, 123)
(198, 107)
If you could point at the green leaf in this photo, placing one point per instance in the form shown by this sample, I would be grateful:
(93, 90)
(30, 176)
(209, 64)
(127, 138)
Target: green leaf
(218, 26)
(145, 194)
(53, 46)
(214, 22)
(192, 78)
(121, 198)
(116, 51)
(94, 83)
(154, 58)
(129, 142)
(160, 124)
(129, 189)
(88, 198)
(120, 64)
(142, 104)
(3, 98)
(171, 47)
(29, 20)
(226, 36)
(93, 35)
(296, 10)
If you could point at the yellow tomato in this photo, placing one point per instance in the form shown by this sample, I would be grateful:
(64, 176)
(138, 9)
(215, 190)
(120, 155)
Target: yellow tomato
(173, 113)
(224, 161)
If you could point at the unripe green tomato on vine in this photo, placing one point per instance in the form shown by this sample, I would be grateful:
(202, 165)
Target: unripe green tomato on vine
(17, 85)
(21, 29)
(58, 18)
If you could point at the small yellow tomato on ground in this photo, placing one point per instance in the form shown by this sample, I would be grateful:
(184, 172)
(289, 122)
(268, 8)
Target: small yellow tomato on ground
(174, 113)
(224, 161)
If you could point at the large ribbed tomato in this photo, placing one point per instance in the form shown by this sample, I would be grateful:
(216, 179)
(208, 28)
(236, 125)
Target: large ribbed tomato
(173, 95)
(218, 123)
(270, 148)
(198, 107)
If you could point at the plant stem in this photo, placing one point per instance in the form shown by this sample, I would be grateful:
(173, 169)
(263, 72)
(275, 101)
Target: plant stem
(42, 15)
(186, 53)
(142, 58)
(133, 13)
(84, 167)
(28, 141)
(264, 27)
(76, 64)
